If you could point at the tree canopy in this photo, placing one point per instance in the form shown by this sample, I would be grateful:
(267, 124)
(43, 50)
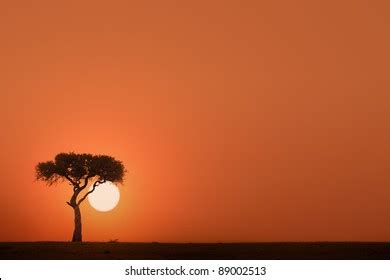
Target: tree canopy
(77, 167)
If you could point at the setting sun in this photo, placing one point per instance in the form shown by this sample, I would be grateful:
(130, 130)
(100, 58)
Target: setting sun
(105, 197)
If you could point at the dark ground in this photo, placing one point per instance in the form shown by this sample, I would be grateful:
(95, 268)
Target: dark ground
(155, 251)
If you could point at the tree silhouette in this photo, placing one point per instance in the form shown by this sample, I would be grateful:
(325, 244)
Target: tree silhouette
(80, 170)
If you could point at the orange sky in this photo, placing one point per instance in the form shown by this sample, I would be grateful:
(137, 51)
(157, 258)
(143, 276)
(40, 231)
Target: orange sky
(237, 120)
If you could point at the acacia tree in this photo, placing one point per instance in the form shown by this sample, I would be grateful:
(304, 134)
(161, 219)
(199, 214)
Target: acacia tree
(80, 171)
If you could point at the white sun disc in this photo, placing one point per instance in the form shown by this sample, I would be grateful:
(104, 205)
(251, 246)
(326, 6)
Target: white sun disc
(105, 197)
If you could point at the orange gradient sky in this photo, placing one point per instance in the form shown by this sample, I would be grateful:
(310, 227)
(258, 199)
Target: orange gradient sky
(236, 120)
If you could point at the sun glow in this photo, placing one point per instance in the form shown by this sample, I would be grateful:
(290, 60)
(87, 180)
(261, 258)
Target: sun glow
(105, 197)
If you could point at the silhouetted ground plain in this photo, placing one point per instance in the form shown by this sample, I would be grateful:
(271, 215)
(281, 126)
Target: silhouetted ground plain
(198, 251)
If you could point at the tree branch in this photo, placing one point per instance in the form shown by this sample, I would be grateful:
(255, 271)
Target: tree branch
(74, 184)
(76, 190)
(86, 182)
(97, 183)
(72, 202)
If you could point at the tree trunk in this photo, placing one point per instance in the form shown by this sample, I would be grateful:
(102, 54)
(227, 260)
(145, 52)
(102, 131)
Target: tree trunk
(77, 235)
